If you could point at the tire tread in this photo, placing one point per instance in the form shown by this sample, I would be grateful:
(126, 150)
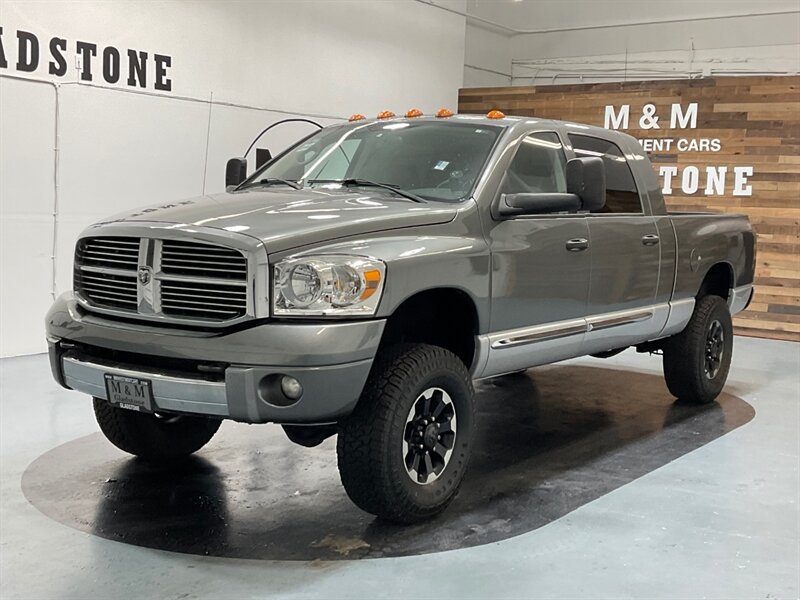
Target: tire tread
(366, 434)
(144, 436)
(682, 371)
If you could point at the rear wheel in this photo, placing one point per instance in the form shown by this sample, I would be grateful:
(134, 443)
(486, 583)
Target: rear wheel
(151, 436)
(697, 360)
(404, 450)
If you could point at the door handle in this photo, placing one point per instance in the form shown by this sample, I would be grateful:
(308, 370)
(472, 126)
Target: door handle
(650, 240)
(577, 244)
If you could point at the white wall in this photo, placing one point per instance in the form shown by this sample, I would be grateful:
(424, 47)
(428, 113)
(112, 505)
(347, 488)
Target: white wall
(551, 41)
(27, 126)
(487, 57)
(120, 148)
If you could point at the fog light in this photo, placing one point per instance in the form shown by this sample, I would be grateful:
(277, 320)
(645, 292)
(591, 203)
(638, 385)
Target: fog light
(291, 387)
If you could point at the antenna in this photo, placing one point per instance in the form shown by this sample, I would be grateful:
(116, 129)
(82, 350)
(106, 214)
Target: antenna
(281, 122)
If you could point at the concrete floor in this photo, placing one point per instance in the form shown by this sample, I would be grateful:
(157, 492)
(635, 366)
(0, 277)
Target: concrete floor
(720, 521)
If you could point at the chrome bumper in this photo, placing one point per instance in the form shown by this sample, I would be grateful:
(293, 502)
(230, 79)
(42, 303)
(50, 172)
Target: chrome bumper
(176, 394)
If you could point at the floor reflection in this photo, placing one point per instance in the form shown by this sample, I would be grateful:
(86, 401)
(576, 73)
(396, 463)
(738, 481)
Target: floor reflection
(165, 507)
(548, 441)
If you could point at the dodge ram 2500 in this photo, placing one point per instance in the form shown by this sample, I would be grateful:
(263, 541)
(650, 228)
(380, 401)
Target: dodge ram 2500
(359, 282)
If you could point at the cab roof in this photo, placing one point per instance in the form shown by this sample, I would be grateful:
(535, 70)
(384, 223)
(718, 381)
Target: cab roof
(506, 122)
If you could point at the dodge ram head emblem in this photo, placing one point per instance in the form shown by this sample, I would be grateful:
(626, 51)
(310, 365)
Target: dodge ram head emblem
(144, 275)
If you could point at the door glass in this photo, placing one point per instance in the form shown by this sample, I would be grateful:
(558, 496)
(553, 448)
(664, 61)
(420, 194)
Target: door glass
(621, 193)
(538, 167)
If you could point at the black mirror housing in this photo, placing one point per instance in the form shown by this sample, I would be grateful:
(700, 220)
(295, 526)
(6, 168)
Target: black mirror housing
(586, 178)
(263, 156)
(537, 204)
(235, 172)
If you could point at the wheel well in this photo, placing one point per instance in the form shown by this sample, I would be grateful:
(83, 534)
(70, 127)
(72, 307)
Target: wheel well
(443, 317)
(718, 281)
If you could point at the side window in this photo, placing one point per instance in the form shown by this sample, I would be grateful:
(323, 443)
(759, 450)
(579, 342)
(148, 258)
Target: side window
(621, 193)
(539, 166)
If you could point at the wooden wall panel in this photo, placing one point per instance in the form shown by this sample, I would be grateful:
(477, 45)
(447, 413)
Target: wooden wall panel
(756, 121)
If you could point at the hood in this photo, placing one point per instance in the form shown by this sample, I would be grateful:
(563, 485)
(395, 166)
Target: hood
(284, 219)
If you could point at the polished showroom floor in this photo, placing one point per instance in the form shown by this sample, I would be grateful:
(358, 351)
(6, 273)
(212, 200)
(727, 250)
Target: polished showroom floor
(587, 482)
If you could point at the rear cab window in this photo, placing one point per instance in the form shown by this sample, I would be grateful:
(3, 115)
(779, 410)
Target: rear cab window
(622, 195)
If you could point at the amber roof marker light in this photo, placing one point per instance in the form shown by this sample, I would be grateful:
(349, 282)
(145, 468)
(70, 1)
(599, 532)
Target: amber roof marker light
(495, 114)
(413, 113)
(357, 117)
(386, 114)
(443, 113)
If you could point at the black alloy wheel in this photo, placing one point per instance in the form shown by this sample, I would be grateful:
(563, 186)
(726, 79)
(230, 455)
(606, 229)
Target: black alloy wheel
(430, 435)
(715, 349)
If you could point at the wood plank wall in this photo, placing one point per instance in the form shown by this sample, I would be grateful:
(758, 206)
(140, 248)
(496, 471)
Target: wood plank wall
(757, 123)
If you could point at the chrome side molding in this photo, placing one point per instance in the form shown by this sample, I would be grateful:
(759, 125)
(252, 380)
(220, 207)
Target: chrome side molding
(514, 349)
(739, 298)
(559, 329)
(504, 351)
(680, 311)
(537, 333)
(619, 318)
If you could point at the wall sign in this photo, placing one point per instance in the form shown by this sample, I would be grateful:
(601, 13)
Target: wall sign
(27, 53)
(713, 180)
(727, 144)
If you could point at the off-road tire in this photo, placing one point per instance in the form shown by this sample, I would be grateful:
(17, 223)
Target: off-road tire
(685, 353)
(370, 442)
(152, 437)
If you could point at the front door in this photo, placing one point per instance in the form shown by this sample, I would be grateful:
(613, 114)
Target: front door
(541, 267)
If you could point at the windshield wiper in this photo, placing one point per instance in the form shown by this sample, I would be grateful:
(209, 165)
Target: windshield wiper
(275, 180)
(392, 187)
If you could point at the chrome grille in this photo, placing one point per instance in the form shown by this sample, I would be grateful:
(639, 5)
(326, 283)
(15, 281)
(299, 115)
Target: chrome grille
(178, 280)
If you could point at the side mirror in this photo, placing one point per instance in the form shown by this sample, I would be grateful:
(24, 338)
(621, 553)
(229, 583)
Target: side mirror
(586, 178)
(536, 204)
(235, 172)
(263, 156)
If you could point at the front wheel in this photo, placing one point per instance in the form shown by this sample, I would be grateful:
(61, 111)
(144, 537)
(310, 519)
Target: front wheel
(697, 360)
(404, 450)
(151, 436)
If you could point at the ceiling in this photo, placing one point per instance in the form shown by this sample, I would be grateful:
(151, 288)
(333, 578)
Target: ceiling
(557, 14)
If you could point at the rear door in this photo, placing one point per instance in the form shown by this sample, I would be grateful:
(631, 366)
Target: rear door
(626, 256)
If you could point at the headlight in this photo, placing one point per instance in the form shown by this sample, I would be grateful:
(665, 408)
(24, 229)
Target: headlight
(328, 285)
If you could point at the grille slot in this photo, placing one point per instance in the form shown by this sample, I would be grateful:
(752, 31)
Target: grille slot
(203, 300)
(182, 280)
(110, 252)
(108, 290)
(202, 260)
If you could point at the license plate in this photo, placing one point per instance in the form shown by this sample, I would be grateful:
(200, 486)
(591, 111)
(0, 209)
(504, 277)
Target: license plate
(129, 392)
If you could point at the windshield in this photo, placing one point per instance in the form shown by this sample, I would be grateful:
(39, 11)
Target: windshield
(435, 161)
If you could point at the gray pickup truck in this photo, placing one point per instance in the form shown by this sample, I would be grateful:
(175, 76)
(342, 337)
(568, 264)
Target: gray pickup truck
(358, 283)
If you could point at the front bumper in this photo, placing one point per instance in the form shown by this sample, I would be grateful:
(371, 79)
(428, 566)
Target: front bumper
(331, 361)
